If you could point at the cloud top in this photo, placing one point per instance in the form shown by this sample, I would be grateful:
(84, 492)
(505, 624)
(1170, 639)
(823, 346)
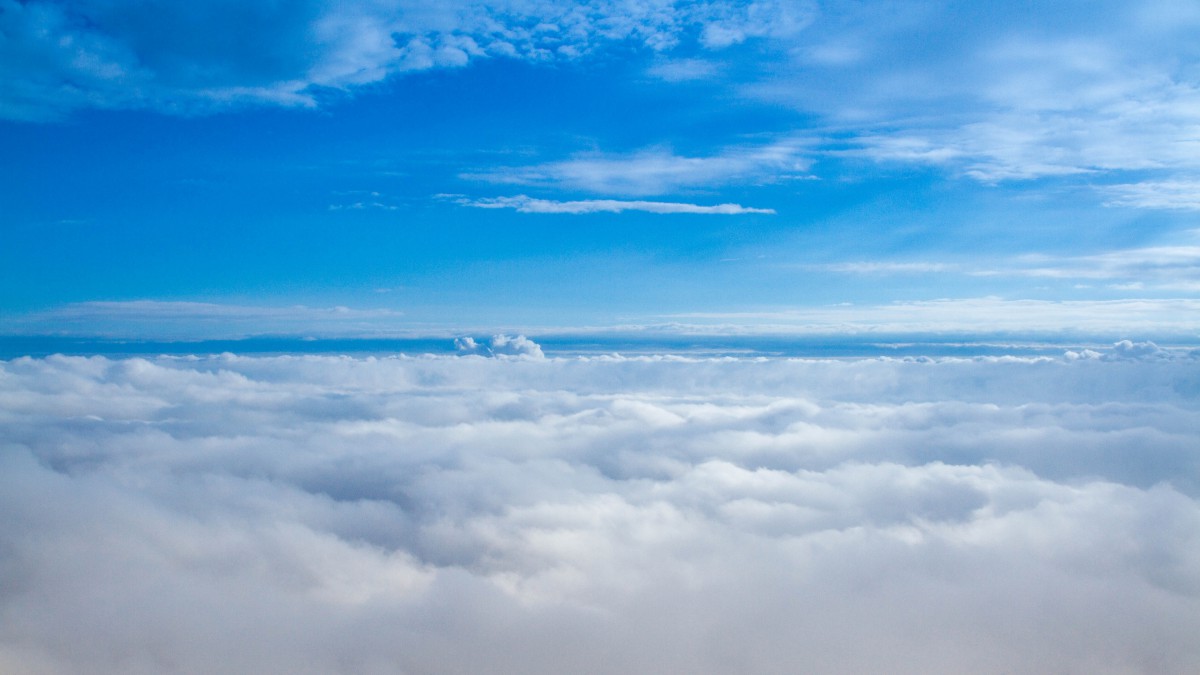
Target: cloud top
(326, 514)
(499, 345)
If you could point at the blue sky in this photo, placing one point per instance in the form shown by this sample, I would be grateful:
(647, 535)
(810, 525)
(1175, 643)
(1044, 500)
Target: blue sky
(555, 260)
(235, 168)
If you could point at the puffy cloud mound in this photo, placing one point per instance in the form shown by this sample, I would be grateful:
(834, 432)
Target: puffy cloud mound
(598, 515)
(500, 345)
(1128, 349)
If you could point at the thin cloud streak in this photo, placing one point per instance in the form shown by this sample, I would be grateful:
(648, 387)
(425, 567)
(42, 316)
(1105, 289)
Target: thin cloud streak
(1161, 267)
(981, 316)
(1180, 194)
(198, 320)
(659, 170)
(987, 315)
(526, 204)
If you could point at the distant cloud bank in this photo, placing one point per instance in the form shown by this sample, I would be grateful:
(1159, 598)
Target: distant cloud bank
(974, 318)
(309, 514)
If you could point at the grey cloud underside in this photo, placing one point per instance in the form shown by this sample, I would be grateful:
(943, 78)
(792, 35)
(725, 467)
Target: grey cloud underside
(322, 514)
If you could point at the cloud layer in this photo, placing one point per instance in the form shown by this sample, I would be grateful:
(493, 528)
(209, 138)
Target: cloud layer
(660, 514)
(1171, 319)
(202, 320)
(1175, 318)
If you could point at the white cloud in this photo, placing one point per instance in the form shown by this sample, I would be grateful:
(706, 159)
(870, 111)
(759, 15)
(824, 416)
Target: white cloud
(1160, 268)
(500, 345)
(683, 70)
(1173, 318)
(364, 206)
(1154, 267)
(1165, 194)
(889, 267)
(1127, 349)
(61, 56)
(526, 204)
(986, 315)
(735, 23)
(157, 319)
(659, 170)
(1000, 93)
(1152, 134)
(1071, 108)
(317, 514)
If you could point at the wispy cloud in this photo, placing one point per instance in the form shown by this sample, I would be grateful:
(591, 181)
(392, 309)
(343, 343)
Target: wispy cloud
(525, 204)
(994, 100)
(156, 319)
(158, 308)
(62, 56)
(1179, 194)
(962, 316)
(683, 70)
(1158, 267)
(659, 170)
(877, 267)
(364, 206)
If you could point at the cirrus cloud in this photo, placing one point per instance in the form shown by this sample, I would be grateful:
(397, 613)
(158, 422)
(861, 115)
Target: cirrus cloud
(526, 204)
(659, 170)
(59, 56)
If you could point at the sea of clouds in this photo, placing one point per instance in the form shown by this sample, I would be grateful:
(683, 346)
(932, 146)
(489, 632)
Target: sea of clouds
(522, 514)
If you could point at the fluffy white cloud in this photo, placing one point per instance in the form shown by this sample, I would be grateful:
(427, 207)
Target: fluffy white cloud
(500, 345)
(526, 204)
(659, 514)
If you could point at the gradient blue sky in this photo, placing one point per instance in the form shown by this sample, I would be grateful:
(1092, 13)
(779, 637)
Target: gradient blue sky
(232, 168)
